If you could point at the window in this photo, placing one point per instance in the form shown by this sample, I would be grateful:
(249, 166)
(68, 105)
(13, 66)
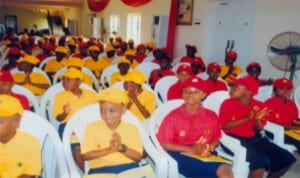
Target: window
(134, 27)
(114, 26)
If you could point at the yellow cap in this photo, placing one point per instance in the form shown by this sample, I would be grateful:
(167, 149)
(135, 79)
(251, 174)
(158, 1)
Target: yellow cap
(93, 48)
(116, 43)
(109, 47)
(71, 42)
(136, 77)
(61, 49)
(130, 52)
(10, 106)
(130, 41)
(75, 62)
(113, 95)
(30, 59)
(124, 60)
(73, 73)
(151, 44)
(25, 37)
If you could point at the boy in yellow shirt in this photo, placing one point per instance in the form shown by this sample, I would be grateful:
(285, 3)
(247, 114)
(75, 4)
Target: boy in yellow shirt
(111, 145)
(20, 153)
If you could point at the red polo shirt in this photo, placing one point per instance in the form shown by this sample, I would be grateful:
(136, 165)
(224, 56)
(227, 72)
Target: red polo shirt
(231, 109)
(283, 113)
(183, 128)
(215, 86)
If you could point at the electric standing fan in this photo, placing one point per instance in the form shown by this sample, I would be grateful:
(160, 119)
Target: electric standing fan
(283, 52)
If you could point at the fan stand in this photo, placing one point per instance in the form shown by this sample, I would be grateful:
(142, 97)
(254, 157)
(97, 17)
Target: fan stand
(293, 59)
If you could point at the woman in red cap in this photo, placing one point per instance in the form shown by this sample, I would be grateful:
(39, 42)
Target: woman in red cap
(243, 117)
(212, 82)
(284, 110)
(254, 70)
(196, 62)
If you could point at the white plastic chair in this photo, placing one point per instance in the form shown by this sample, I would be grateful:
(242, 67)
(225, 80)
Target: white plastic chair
(45, 61)
(88, 114)
(176, 60)
(297, 98)
(240, 167)
(162, 87)
(53, 159)
(30, 96)
(264, 93)
(146, 68)
(84, 70)
(106, 75)
(47, 102)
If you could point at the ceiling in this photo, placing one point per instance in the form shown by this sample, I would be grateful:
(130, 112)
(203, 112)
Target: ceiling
(41, 3)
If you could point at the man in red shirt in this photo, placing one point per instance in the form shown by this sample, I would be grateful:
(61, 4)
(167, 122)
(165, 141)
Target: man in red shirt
(6, 84)
(193, 129)
(243, 117)
(284, 110)
(212, 82)
(184, 71)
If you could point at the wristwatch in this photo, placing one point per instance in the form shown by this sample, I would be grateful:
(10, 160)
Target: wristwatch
(123, 148)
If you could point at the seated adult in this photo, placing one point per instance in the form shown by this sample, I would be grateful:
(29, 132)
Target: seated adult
(20, 152)
(193, 129)
(191, 58)
(111, 145)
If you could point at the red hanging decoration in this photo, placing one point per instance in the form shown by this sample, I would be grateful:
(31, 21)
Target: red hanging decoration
(135, 3)
(97, 5)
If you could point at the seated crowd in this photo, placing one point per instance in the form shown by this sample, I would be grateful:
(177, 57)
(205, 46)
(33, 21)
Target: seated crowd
(188, 129)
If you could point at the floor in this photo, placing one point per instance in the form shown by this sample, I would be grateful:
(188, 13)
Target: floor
(294, 171)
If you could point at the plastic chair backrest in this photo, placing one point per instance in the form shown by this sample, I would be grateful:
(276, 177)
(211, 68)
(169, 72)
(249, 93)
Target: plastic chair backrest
(162, 87)
(30, 96)
(214, 100)
(146, 68)
(264, 93)
(106, 75)
(45, 61)
(297, 98)
(88, 114)
(53, 159)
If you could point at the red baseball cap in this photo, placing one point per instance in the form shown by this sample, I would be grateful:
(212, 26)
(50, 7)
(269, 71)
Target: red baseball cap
(195, 82)
(186, 68)
(6, 76)
(253, 64)
(249, 82)
(213, 65)
(231, 54)
(283, 83)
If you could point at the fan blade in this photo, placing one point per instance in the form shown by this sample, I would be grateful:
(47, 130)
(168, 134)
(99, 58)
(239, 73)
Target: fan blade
(290, 50)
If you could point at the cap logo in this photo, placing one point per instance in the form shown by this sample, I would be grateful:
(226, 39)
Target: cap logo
(284, 81)
(194, 80)
(182, 133)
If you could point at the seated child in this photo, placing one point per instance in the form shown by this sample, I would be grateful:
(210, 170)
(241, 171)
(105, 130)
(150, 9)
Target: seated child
(284, 110)
(20, 153)
(111, 145)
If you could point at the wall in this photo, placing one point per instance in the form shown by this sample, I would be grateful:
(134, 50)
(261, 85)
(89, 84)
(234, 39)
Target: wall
(273, 17)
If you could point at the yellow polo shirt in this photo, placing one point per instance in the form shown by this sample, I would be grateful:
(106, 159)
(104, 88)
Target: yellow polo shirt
(21, 155)
(148, 100)
(53, 65)
(35, 78)
(97, 136)
(224, 70)
(96, 66)
(116, 77)
(61, 99)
